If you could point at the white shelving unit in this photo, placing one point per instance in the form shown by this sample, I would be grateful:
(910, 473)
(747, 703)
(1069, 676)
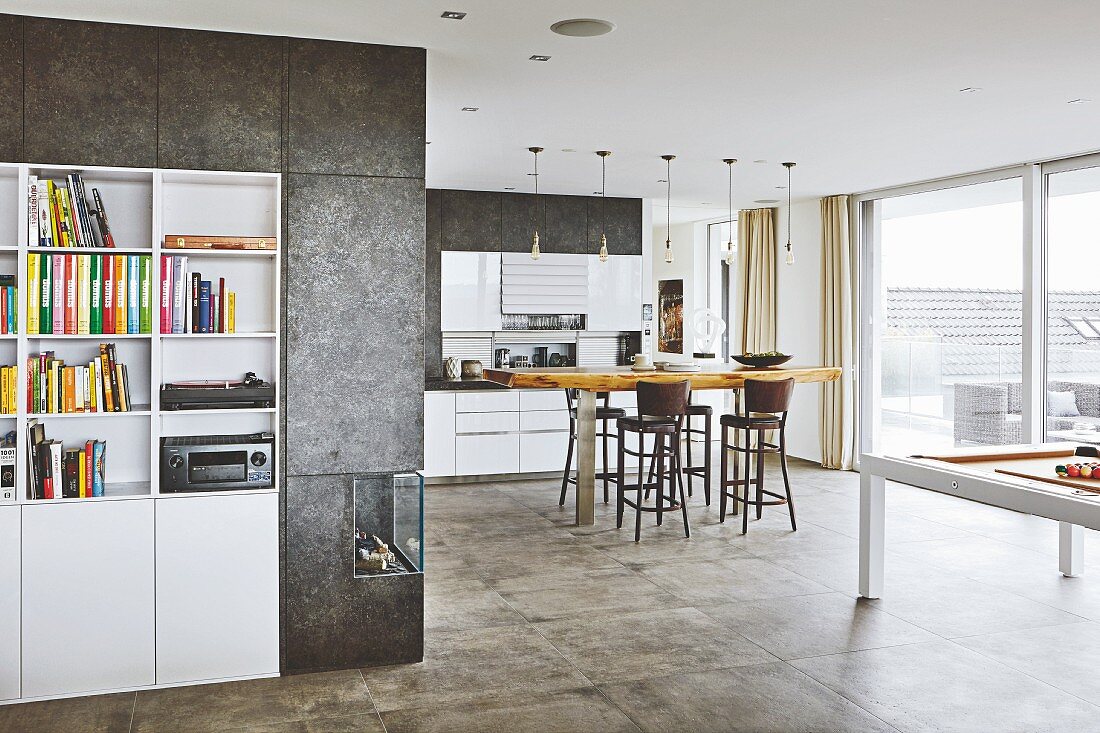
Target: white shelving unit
(143, 205)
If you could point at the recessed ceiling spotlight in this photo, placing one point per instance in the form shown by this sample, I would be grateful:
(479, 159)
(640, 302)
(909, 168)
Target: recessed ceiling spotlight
(453, 15)
(704, 203)
(596, 193)
(582, 27)
(470, 109)
(970, 90)
(1079, 100)
(781, 188)
(662, 180)
(509, 188)
(569, 150)
(760, 161)
(766, 201)
(539, 57)
(427, 142)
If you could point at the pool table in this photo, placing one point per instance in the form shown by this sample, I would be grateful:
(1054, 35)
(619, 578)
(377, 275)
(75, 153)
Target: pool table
(1017, 477)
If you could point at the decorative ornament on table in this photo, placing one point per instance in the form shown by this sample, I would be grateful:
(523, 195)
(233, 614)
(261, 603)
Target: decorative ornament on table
(452, 368)
(708, 327)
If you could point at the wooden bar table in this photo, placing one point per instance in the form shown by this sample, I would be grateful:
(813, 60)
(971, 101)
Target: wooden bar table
(590, 380)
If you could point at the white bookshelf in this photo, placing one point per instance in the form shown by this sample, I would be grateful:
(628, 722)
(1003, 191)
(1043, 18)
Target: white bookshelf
(143, 205)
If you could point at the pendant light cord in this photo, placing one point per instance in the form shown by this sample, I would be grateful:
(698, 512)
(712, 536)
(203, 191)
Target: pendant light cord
(668, 199)
(603, 195)
(788, 208)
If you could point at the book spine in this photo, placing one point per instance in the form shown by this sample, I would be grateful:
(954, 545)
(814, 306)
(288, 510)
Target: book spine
(32, 382)
(82, 474)
(97, 388)
(45, 296)
(72, 204)
(166, 293)
(56, 478)
(179, 278)
(84, 294)
(85, 215)
(116, 387)
(204, 306)
(145, 316)
(105, 370)
(195, 324)
(34, 292)
(222, 306)
(121, 293)
(231, 319)
(58, 306)
(108, 238)
(107, 263)
(54, 214)
(134, 308)
(69, 233)
(98, 479)
(124, 387)
(95, 276)
(70, 293)
(33, 213)
(68, 390)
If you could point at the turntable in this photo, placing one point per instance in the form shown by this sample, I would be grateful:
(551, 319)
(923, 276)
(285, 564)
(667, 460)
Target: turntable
(218, 394)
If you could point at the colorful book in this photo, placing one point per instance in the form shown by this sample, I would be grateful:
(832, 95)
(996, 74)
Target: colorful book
(193, 325)
(84, 294)
(45, 316)
(179, 290)
(34, 292)
(231, 317)
(133, 298)
(121, 294)
(101, 216)
(166, 264)
(99, 447)
(58, 308)
(95, 276)
(107, 263)
(70, 293)
(204, 307)
(33, 213)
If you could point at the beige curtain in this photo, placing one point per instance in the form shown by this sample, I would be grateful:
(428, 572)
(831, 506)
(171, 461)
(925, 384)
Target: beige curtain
(755, 284)
(837, 286)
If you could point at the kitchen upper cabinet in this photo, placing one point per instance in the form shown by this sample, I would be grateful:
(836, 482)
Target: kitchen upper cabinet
(471, 221)
(565, 224)
(621, 222)
(615, 292)
(470, 291)
(520, 213)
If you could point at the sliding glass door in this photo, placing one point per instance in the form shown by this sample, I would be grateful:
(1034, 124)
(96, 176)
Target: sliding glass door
(1072, 394)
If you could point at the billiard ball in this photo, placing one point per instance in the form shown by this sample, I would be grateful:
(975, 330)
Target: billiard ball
(1073, 470)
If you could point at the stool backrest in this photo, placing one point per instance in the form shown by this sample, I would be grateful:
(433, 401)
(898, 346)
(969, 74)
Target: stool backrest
(768, 395)
(663, 399)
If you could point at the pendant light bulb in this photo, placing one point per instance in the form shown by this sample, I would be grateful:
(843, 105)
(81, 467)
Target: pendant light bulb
(668, 206)
(603, 202)
(535, 251)
(790, 250)
(729, 244)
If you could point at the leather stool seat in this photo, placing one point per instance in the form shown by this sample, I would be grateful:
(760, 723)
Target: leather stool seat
(603, 413)
(648, 424)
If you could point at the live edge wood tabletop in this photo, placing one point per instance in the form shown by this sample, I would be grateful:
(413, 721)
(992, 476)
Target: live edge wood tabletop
(590, 380)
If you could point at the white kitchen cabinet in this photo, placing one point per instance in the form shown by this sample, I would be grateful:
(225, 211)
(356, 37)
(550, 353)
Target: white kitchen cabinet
(476, 455)
(614, 293)
(9, 602)
(486, 422)
(542, 399)
(544, 420)
(543, 451)
(217, 594)
(470, 291)
(490, 400)
(88, 595)
(439, 434)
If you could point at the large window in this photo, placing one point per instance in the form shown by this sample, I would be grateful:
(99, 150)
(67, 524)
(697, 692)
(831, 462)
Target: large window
(1073, 306)
(950, 337)
(720, 274)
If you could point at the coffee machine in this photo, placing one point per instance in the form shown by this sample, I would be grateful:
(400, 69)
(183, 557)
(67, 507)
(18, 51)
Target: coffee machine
(503, 358)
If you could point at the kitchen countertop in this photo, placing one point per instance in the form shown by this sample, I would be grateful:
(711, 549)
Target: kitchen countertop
(447, 385)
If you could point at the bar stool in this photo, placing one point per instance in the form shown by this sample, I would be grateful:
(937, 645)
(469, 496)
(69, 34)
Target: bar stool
(766, 404)
(661, 410)
(604, 413)
(691, 469)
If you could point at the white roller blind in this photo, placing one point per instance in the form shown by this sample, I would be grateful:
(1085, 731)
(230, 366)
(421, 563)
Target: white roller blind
(553, 284)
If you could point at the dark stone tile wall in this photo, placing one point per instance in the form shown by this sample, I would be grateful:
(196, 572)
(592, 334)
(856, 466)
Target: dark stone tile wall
(623, 227)
(11, 88)
(220, 101)
(336, 620)
(471, 221)
(566, 224)
(90, 93)
(520, 213)
(433, 245)
(356, 109)
(355, 326)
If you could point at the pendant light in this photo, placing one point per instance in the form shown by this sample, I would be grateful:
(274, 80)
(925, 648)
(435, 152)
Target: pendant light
(790, 251)
(603, 202)
(535, 251)
(729, 244)
(668, 206)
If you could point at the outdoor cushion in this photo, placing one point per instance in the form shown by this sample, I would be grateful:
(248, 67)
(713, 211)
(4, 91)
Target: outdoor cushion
(1062, 404)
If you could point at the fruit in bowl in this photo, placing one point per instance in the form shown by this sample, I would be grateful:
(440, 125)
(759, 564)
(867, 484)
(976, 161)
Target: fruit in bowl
(762, 360)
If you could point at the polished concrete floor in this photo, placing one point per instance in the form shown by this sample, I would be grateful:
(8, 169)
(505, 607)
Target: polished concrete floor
(536, 625)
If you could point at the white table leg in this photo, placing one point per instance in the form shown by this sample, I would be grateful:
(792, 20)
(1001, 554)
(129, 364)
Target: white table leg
(1071, 549)
(872, 525)
(586, 458)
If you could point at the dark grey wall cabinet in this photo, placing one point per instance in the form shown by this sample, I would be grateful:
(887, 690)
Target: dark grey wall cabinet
(221, 100)
(566, 224)
(433, 338)
(355, 326)
(90, 94)
(520, 214)
(11, 87)
(471, 221)
(356, 109)
(623, 227)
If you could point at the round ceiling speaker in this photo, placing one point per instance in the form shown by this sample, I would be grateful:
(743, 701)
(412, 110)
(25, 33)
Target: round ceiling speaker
(582, 27)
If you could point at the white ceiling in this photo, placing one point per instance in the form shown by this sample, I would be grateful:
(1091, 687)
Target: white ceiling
(861, 93)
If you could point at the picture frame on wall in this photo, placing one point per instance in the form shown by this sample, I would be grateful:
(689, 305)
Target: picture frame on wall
(670, 316)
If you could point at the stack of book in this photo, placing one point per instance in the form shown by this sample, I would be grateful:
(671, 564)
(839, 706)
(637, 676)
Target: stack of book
(56, 472)
(60, 214)
(9, 296)
(89, 294)
(8, 379)
(189, 304)
(101, 385)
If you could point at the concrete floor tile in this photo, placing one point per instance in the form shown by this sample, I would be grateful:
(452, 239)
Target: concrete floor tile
(98, 714)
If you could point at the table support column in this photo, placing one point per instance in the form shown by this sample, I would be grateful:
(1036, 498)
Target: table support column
(872, 525)
(586, 458)
(1071, 549)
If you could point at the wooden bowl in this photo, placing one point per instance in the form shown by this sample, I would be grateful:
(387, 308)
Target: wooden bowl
(761, 362)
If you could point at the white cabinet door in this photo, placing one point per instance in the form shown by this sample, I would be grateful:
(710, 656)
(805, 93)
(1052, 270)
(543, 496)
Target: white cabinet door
(9, 602)
(477, 455)
(543, 451)
(470, 291)
(439, 434)
(487, 400)
(88, 593)
(615, 293)
(217, 587)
